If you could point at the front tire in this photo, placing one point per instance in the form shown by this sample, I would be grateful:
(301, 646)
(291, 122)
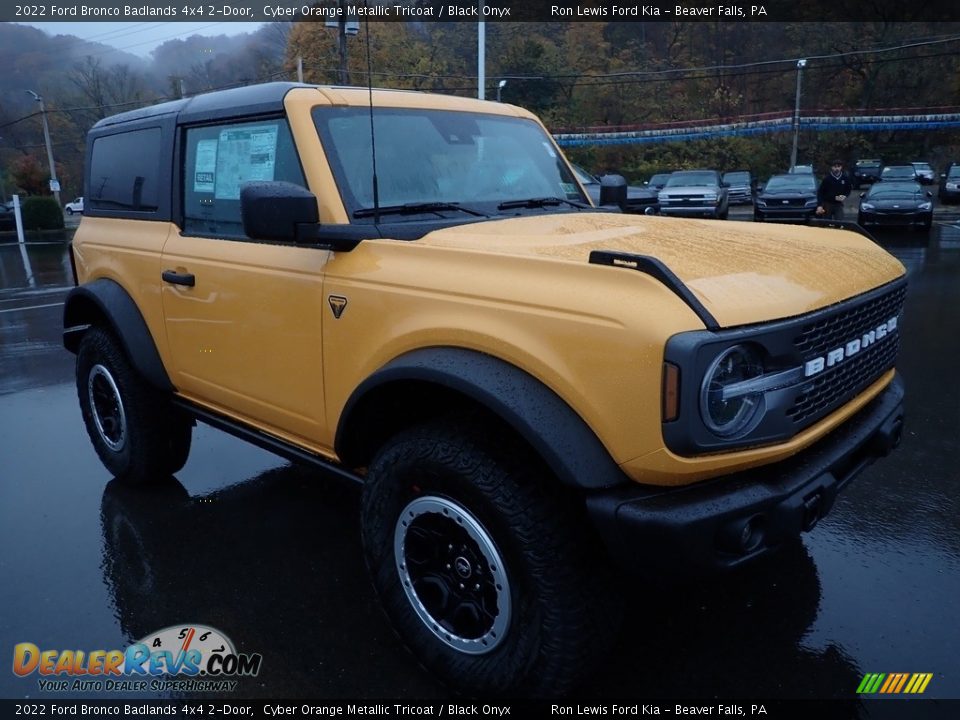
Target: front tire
(138, 435)
(487, 576)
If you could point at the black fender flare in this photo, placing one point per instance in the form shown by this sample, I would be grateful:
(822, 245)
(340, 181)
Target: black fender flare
(107, 300)
(552, 428)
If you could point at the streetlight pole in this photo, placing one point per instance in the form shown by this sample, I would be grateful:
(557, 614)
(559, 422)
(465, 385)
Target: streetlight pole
(54, 183)
(801, 63)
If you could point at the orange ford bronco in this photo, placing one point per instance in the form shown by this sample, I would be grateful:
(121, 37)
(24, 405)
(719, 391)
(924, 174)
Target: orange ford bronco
(414, 291)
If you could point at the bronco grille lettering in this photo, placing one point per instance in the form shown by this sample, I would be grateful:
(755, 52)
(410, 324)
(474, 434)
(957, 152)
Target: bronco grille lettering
(851, 348)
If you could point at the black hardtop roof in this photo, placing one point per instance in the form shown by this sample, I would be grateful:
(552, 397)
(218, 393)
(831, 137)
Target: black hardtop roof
(248, 100)
(235, 102)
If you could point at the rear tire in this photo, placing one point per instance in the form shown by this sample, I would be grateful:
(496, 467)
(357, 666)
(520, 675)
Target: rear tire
(486, 573)
(137, 433)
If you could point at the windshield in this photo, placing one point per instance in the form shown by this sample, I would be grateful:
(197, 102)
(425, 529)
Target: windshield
(901, 171)
(737, 177)
(889, 191)
(436, 156)
(692, 179)
(792, 183)
(659, 179)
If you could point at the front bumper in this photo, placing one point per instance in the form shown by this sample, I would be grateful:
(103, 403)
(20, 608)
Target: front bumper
(691, 210)
(725, 522)
(792, 213)
(892, 219)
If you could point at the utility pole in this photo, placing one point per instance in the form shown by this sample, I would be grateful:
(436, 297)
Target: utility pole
(801, 63)
(345, 27)
(343, 78)
(54, 183)
(481, 56)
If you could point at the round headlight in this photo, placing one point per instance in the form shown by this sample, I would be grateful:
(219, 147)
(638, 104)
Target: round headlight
(727, 403)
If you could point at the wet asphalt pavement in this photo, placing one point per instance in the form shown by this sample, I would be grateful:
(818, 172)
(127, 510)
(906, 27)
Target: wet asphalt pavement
(269, 553)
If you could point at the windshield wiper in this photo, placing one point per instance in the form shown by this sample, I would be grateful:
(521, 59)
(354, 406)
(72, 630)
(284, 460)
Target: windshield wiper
(415, 208)
(539, 203)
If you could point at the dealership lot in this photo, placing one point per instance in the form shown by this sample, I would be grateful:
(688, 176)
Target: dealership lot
(269, 553)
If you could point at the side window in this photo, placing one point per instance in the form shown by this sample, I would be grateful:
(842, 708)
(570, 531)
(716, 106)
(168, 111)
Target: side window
(125, 171)
(220, 158)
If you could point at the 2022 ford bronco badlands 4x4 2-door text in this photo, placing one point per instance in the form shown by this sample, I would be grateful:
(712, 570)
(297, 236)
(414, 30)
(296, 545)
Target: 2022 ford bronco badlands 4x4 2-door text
(531, 390)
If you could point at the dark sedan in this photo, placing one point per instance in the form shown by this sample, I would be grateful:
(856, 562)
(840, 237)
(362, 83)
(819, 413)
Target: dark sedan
(786, 197)
(656, 182)
(950, 184)
(896, 204)
(7, 218)
(866, 172)
(640, 200)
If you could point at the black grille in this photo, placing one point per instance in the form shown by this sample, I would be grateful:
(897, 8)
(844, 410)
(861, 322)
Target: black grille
(839, 384)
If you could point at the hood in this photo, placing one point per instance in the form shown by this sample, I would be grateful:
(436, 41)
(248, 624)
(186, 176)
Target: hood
(742, 272)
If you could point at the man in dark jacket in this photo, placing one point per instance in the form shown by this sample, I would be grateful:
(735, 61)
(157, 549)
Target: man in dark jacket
(833, 190)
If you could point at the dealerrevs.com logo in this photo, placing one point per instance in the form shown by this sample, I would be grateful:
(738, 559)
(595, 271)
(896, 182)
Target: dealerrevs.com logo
(186, 657)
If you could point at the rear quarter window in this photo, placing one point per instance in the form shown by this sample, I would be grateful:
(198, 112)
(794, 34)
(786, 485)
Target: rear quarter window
(125, 172)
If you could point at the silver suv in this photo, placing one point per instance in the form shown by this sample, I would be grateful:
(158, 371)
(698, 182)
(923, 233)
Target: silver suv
(695, 193)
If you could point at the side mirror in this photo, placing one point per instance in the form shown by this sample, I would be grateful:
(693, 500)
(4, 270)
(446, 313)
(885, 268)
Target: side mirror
(613, 191)
(273, 210)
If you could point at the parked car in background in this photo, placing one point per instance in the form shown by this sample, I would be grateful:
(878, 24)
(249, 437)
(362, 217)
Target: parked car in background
(950, 184)
(866, 172)
(898, 173)
(896, 204)
(801, 170)
(74, 206)
(693, 193)
(640, 200)
(7, 219)
(739, 186)
(925, 173)
(656, 182)
(786, 197)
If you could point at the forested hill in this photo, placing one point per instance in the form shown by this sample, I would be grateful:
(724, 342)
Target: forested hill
(574, 75)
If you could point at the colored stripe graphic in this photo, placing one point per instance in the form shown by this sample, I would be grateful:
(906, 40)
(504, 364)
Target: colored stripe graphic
(894, 683)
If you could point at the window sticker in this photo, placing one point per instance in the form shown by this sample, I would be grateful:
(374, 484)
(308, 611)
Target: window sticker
(244, 154)
(569, 188)
(205, 167)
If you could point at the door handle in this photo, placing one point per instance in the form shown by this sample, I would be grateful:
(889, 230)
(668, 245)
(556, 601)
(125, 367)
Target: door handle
(175, 278)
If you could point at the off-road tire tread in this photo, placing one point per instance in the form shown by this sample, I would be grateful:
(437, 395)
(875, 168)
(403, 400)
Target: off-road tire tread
(159, 436)
(573, 601)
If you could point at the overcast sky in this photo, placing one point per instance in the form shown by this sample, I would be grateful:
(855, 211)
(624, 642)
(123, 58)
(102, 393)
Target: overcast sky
(141, 38)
